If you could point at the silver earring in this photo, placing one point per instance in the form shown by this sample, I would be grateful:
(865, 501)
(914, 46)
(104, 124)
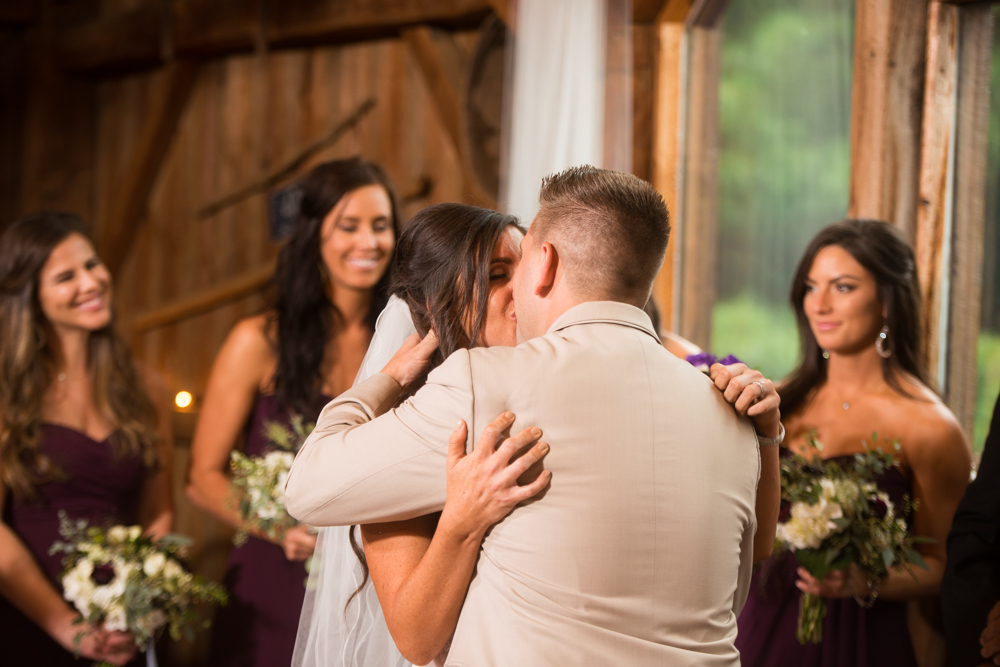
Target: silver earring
(881, 343)
(826, 354)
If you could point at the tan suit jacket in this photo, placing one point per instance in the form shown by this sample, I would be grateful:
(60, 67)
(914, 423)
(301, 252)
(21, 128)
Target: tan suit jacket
(639, 553)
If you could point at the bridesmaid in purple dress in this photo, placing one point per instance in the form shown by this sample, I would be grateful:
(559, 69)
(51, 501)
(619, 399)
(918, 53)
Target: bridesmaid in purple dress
(856, 299)
(78, 432)
(331, 285)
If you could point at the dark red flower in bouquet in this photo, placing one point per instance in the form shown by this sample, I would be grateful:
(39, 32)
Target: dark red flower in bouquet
(879, 508)
(103, 574)
(785, 512)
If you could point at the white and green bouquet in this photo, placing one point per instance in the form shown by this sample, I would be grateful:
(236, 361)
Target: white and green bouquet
(126, 581)
(833, 515)
(259, 482)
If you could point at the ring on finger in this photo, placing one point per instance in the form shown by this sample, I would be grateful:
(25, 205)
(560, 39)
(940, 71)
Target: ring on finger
(763, 389)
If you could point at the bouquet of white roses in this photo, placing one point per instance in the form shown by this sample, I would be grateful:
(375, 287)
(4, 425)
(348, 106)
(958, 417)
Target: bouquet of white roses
(833, 515)
(129, 582)
(259, 482)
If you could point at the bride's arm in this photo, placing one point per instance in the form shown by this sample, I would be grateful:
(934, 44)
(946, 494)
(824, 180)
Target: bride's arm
(421, 581)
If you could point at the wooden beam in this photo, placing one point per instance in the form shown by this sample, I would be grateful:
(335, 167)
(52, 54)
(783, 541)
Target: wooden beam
(886, 104)
(666, 160)
(205, 29)
(933, 232)
(442, 64)
(19, 12)
(699, 243)
(129, 205)
(205, 300)
(303, 22)
(114, 43)
(506, 10)
(975, 53)
(646, 11)
(137, 39)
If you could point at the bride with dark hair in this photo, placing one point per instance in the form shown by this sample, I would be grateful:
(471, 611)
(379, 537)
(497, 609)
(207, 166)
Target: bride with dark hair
(81, 430)
(452, 288)
(331, 284)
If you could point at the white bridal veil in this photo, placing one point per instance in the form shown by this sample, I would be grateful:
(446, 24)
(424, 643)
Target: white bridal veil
(333, 633)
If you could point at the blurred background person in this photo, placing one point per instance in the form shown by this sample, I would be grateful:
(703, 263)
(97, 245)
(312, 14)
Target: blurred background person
(331, 283)
(82, 430)
(856, 299)
(970, 591)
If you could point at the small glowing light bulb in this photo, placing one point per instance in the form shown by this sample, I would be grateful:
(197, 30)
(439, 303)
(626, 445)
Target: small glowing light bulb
(183, 399)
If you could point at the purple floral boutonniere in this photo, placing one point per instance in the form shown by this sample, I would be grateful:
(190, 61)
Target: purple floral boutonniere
(703, 361)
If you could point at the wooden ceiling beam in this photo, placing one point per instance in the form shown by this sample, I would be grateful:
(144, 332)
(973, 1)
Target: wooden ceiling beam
(140, 39)
(19, 12)
(305, 22)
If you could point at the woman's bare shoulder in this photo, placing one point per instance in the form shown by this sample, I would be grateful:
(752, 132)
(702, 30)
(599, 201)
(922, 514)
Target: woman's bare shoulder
(931, 431)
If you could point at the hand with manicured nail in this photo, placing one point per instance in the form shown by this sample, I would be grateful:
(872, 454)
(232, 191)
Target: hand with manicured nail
(482, 486)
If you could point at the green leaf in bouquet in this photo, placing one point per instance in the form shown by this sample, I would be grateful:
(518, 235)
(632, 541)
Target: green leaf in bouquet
(888, 557)
(846, 557)
(175, 540)
(913, 556)
(922, 539)
(813, 560)
(841, 522)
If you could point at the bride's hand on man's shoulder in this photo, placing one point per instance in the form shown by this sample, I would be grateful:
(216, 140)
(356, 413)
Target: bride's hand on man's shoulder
(750, 394)
(412, 359)
(482, 485)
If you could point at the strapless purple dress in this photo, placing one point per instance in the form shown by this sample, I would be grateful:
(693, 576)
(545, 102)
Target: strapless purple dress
(852, 635)
(258, 626)
(98, 487)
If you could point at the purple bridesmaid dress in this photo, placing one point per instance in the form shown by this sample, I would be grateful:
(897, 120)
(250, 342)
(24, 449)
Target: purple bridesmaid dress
(266, 590)
(96, 486)
(852, 635)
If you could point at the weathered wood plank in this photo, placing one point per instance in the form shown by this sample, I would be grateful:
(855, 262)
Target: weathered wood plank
(129, 207)
(114, 43)
(644, 55)
(933, 230)
(19, 12)
(975, 50)
(886, 105)
(205, 300)
(699, 218)
(667, 154)
(203, 29)
(442, 64)
(302, 22)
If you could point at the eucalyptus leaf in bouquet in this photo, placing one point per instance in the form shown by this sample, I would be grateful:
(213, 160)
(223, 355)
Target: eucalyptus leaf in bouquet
(126, 581)
(833, 515)
(259, 481)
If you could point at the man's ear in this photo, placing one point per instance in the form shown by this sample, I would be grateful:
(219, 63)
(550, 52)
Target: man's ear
(547, 269)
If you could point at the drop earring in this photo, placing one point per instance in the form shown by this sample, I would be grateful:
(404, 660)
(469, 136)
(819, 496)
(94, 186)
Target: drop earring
(882, 343)
(826, 354)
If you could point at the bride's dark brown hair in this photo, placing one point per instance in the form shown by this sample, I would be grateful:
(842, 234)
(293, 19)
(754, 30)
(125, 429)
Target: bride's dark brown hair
(442, 272)
(28, 361)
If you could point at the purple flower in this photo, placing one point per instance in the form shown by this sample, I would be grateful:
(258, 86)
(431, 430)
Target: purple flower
(729, 360)
(103, 574)
(879, 508)
(702, 361)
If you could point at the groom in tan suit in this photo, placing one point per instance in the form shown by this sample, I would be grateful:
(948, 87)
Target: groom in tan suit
(639, 552)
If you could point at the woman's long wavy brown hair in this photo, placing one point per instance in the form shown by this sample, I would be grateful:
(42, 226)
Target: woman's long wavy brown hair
(881, 250)
(442, 272)
(303, 318)
(28, 361)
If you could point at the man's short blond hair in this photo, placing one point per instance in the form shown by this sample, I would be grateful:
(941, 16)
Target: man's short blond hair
(609, 228)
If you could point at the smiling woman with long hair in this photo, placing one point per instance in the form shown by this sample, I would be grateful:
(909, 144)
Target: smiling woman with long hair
(78, 432)
(857, 302)
(331, 285)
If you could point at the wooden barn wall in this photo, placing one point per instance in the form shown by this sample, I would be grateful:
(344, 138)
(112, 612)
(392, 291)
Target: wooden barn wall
(247, 117)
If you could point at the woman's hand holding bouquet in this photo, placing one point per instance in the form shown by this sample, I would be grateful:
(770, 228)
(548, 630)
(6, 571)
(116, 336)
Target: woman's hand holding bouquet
(842, 528)
(124, 582)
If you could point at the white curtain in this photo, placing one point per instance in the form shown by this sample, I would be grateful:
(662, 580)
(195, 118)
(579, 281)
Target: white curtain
(569, 91)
